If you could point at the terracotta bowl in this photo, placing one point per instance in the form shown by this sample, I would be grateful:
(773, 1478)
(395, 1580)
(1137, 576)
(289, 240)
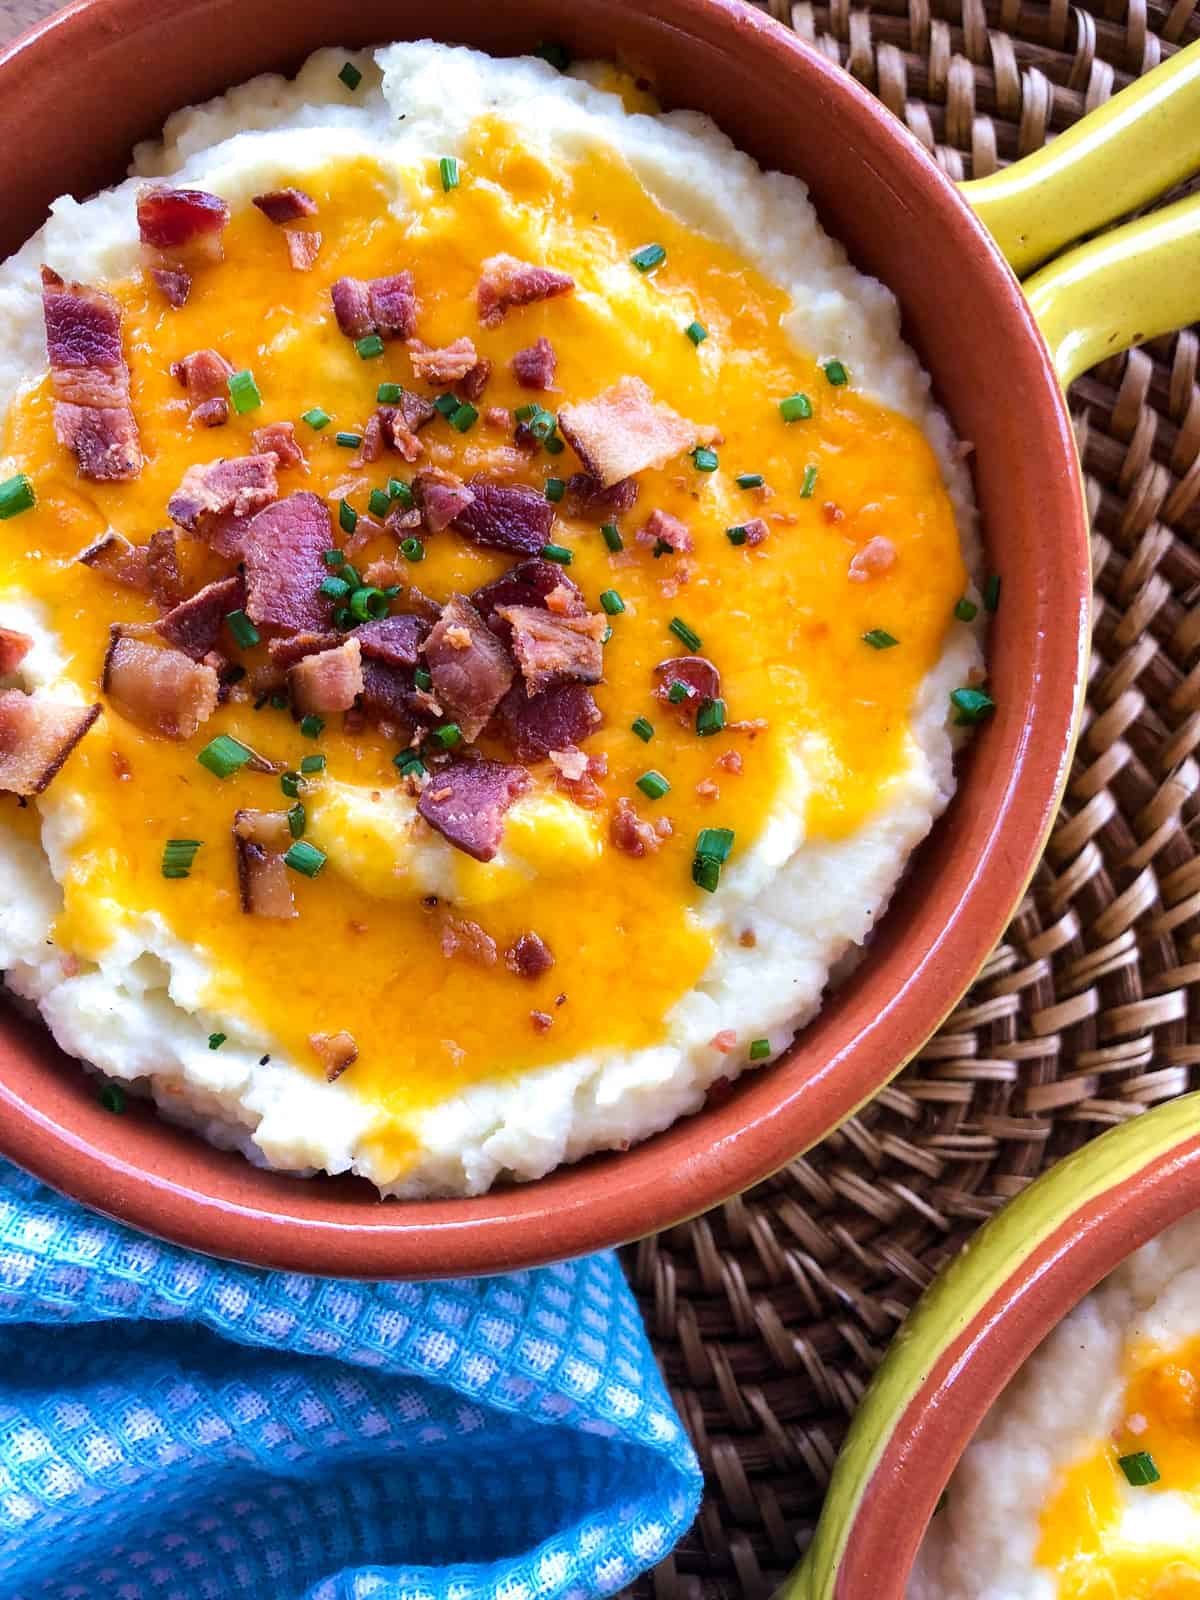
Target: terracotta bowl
(983, 1317)
(76, 93)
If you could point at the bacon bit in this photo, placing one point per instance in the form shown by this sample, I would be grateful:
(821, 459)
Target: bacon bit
(476, 381)
(724, 1041)
(542, 1021)
(205, 375)
(396, 427)
(386, 306)
(553, 650)
(335, 1052)
(750, 726)
(550, 721)
(756, 529)
(284, 566)
(832, 512)
(587, 496)
(465, 938)
(708, 790)
(563, 601)
(446, 364)
(506, 517)
(662, 528)
(36, 737)
(396, 640)
(731, 761)
(285, 205)
(114, 556)
(278, 439)
(286, 652)
(14, 647)
(624, 430)
(530, 583)
(179, 219)
(329, 681)
(785, 519)
(173, 283)
(194, 626)
(260, 840)
(441, 495)
(468, 807)
(90, 378)
(699, 677)
(529, 956)
(628, 831)
(748, 939)
(496, 417)
(160, 689)
(535, 366)
(505, 283)
(571, 762)
(679, 579)
(162, 568)
(384, 574)
(238, 486)
(303, 248)
(470, 668)
(876, 557)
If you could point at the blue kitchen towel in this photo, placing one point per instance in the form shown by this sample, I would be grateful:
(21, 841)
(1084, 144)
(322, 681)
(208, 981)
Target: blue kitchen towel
(174, 1428)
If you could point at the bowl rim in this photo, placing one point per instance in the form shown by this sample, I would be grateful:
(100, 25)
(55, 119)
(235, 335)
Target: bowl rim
(724, 1148)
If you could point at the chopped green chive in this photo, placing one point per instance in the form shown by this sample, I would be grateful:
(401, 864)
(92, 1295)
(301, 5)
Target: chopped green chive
(347, 516)
(653, 785)
(879, 639)
(368, 604)
(607, 634)
(304, 857)
(557, 552)
(351, 575)
(736, 535)
(612, 536)
(706, 460)
(696, 332)
(378, 503)
(966, 610)
(644, 729)
(553, 445)
(648, 257)
(177, 857)
(991, 592)
(313, 764)
(749, 480)
(317, 419)
(332, 558)
(612, 602)
(678, 692)
(335, 588)
(463, 417)
(297, 820)
(835, 372)
(423, 678)
(289, 782)
(224, 755)
(410, 764)
(412, 549)
(243, 391)
(972, 705)
(712, 851)
(279, 702)
(312, 726)
(448, 172)
(710, 718)
(216, 1040)
(448, 735)
(555, 488)
(684, 634)
(447, 404)
(388, 394)
(810, 482)
(398, 490)
(392, 590)
(16, 495)
(112, 1098)
(348, 441)
(706, 872)
(796, 408)
(557, 55)
(243, 630)
(1139, 1468)
(350, 75)
(760, 1049)
(369, 347)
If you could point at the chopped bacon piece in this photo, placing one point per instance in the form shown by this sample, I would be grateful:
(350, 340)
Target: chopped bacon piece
(506, 516)
(571, 763)
(396, 640)
(285, 205)
(461, 937)
(286, 652)
(194, 626)
(36, 737)
(441, 495)
(550, 721)
(724, 1041)
(331, 680)
(876, 557)
(176, 219)
(396, 427)
(278, 439)
(466, 803)
(260, 839)
(552, 650)
(352, 307)
(335, 1052)
(529, 956)
(390, 698)
(387, 306)
(663, 529)
(162, 568)
(505, 282)
(542, 1021)
(629, 833)
(587, 496)
(476, 381)
(756, 530)
(162, 690)
(205, 375)
(530, 583)
(582, 789)
(448, 364)
(173, 283)
(535, 366)
(238, 486)
(303, 248)
(624, 429)
(385, 574)
(470, 668)
(284, 567)
(151, 568)
(14, 647)
(698, 676)
(92, 416)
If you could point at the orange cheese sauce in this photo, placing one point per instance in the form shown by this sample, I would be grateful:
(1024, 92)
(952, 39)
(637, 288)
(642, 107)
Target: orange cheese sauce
(782, 622)
(1081, 1540)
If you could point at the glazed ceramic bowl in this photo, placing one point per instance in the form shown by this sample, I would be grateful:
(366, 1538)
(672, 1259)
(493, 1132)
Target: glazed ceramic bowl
(984, 1316)
(80, 90)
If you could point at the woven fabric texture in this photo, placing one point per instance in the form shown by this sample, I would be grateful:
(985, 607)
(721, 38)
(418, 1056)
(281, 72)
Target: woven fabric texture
(175, 1428)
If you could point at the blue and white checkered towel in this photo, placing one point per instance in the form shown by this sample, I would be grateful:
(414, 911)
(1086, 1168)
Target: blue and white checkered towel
(173, 1428)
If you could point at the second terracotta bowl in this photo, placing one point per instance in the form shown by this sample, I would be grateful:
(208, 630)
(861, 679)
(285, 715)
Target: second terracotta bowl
(901, 220)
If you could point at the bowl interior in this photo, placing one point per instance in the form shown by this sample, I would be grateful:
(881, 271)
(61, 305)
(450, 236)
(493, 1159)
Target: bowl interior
(120, 66)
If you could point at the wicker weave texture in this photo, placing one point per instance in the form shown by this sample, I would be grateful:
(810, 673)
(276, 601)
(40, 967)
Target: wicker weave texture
(770, 1313)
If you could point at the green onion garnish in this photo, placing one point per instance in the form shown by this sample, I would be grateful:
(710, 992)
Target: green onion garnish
(243, 391)
(796, 408)
(736, 535)
(612, 536)
(312, 726)
(216, 1040)
(706, 872)
(810, 482)
(686, 635)
(715, 842)
(463, 417)
(447, 404)
(706, 460)
(648, 257)
(966, 610)
(304, 857)
(317, 419)
(410, 764)
(971, 705)
(879, 639)
(678, 692)
(412, 549)
(388, 394)
(335, 588)
(279, 702)
(112, 1098)
(347, 516)
(351, 575)
(398, 490)
(835, 372)
(378, 503)
(749, 480)
(612, 602)
(224, 755)
(448, 735)
(759, 1050)
(332, 558)
(423, 678)
(653, 785)
(348, 441)
(1139, 1468)
(557, 552)
(289, 782)
(557, 55)
(644, 729)
(177, 857)
(555, 488)
(297, 820)
(368, 604)
(16, 495)
(243, 630)
(369, 347)
(696, 332)
(350, 75)
(710, 718)
(991, 592)
(313, 764)
(607, 634)
(448, 171)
